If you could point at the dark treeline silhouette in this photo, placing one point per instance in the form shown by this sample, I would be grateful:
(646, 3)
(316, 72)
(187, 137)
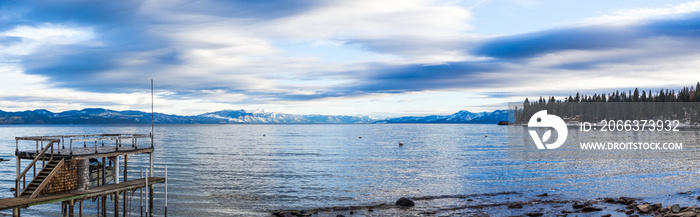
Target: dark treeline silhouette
(630, 105)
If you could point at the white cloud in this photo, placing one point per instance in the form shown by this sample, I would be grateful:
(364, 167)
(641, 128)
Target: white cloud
(37, 37)
(631, 15)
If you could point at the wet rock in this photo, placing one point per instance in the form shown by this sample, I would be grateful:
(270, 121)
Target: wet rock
(644, 208)
(698, 198)
(543, 195)
(340, 216)
(370, 210)
(606, 215)
(655, 207)
(626, 200)
(470, 199)
(285, 214)
(691, 208)
(515, 206)
(631, 206)
(682, 214)
(405, 202)
(629, 212)
(578, 206)
(567, 211)
(688, 214)
(591, 209)
(609, 200)
(675, 208)
(531, 214)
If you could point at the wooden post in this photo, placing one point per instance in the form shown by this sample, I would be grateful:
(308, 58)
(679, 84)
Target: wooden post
(104, 206)
(150, 200)
(70, 208)
(125, 167)
(116, 204)
(104, 169)
(15, 212)
(63, 208)
(80, 213)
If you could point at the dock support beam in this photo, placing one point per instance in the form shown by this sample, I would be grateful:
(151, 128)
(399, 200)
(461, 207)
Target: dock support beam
(116, 204)
(150, 200)
(71, 204)
(80, 213)
(104, 206)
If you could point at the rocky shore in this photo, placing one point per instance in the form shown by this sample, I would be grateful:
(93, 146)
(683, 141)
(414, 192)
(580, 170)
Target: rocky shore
(505, 204)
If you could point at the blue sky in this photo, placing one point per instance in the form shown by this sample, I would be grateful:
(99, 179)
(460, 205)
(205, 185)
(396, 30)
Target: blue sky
(382, 58)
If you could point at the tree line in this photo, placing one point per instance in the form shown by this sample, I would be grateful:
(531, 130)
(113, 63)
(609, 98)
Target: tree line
(630, 105)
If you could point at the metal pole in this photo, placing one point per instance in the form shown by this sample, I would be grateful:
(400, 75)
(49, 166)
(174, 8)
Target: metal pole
(166, 190)
(116, 170)
(141, 195)
(152, 115)
(147, 191)
(150, 158)
(17, 181)
(125, 192)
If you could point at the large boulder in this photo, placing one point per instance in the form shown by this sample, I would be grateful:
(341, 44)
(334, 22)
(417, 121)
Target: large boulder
(405, 202)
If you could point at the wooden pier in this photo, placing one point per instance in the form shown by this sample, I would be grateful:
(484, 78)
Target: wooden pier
(75, 168)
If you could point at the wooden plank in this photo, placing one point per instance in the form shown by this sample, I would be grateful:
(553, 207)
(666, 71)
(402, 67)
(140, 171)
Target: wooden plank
(25, 201)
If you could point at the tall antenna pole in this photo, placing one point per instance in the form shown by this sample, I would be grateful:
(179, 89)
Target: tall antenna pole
(152, 127)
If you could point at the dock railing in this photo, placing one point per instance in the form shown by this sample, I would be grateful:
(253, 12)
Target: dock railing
(22, 177)
(96, 140)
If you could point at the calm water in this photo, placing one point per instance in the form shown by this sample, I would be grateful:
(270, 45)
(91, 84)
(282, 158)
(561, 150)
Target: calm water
(248, 170)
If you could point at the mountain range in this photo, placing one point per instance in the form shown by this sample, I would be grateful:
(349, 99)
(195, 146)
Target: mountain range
(104, 116)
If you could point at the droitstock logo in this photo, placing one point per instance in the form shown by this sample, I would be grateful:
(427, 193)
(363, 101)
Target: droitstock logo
(542, 119)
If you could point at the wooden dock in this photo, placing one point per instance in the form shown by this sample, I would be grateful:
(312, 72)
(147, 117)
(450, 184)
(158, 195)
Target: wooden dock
(105, 190)
(89, 152)
(73, 169)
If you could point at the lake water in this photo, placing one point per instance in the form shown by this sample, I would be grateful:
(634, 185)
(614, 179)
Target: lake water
(250, 170)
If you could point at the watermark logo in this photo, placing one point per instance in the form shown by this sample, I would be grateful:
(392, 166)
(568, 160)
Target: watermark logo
(542, 119)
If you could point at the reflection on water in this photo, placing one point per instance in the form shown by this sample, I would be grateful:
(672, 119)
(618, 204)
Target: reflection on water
(224, 170)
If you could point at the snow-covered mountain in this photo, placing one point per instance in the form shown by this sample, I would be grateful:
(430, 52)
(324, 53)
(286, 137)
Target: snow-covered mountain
(104, 116)
(262, 117)
(463, 116)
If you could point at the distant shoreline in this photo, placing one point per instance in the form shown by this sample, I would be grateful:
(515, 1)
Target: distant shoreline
(104, 116)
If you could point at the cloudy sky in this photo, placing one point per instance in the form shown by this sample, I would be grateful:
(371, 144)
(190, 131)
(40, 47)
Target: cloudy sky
(359, 57)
